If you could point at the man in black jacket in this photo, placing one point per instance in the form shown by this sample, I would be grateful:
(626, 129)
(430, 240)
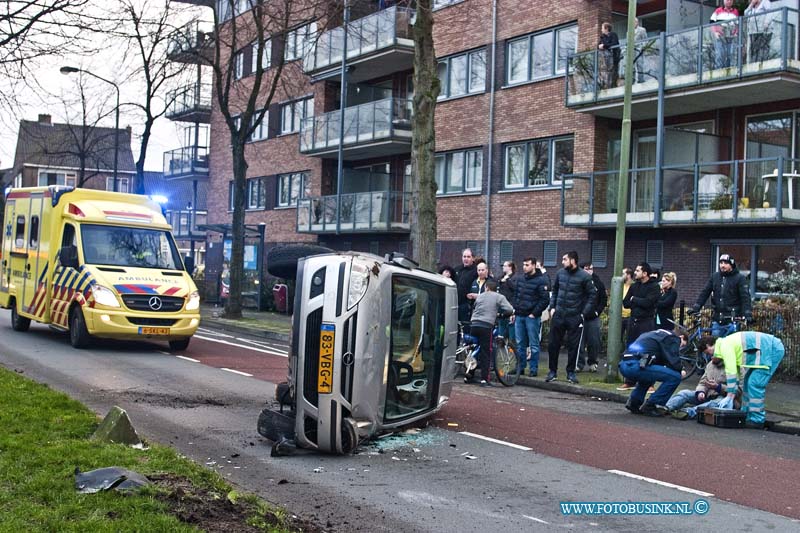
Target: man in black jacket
(573, 300)
(466, 274)
(591, 326)
(654, 356)
(730, 296)
(641, 299)
(530, 299)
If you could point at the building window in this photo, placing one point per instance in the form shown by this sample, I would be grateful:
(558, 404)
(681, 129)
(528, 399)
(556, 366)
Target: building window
(292, 113)
(231, 204)
(758, 261)
(292, 187)
(550, 255)
(238, 65)
(462, 74)
(459, 172)
(52, 178)
(506, 251)
(600, 254)
(266, 56)
(477, 249)
(540, 55)
(438, 4)
(260, 127)
(122, 184)
(256, 193)
(539, 163)
(17, 181)
(298, 41)
(654, 253)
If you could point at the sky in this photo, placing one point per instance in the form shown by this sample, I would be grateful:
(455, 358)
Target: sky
(166, 134)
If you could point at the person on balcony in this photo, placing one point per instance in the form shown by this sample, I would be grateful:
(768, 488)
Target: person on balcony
(642, 51)
(759, 32)
(610, 54)
(725, 32)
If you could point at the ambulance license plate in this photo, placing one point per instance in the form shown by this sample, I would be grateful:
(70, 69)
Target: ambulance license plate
(325, 370)
(153, 331)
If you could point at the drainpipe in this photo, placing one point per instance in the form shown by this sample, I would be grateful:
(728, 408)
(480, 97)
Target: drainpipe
(659, 178)
(342, 105)
(490, 158)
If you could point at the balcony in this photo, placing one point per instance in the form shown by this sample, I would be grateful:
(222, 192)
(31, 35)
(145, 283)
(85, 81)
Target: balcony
(745, 192)
(698, 74)
(377, 45)
(187, 162)
(190, 104)
(364, 212)
(191, 44)
(374, 129)
(203, 3)
(185, 223)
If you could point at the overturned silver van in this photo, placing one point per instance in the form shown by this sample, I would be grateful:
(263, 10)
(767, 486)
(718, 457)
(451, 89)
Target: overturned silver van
(373, 348)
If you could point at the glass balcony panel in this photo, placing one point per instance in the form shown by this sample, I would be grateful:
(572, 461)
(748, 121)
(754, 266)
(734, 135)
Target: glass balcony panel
(380, 210)
(642, 190)
(348, 211)
(362, 211)
(187, 160)
(581, 80)
(336, 46)
(681, 58)
(369, 35)
(307, 133)
(382, 118)
(304, 215)
(646, 65)
(385, 25)
(352, 124)
(721, 51)
(332, 127)
(761, 42)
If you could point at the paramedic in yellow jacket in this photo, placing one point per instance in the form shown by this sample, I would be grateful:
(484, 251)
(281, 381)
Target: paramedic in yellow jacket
(752, 357)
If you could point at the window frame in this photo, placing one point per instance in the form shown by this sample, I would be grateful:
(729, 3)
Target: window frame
(306, 109)
(443, 186)
(530, 38)
(261, 131)
(120, 181)
(69, 180)
(309, 30)
(288, 178)
(552, 182)
(256, 194)
(238, 65)
(446, 94)
(266, 55)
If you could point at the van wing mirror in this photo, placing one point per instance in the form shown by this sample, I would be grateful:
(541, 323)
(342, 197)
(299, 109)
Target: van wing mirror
(69, 256)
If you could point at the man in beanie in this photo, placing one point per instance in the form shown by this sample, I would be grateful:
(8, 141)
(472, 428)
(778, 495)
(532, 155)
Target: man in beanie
(730, 296)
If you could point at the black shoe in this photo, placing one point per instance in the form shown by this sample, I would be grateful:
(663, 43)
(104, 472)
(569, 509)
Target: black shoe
(632, 407)
(572, 378)
(533, 373)
(551, 376)
(649, 409)
(485, 383)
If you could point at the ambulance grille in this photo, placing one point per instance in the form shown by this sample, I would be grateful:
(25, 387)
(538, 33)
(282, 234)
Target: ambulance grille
(141, 302)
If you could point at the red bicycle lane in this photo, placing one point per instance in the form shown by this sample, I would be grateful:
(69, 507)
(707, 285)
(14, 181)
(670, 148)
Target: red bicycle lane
(748, 478)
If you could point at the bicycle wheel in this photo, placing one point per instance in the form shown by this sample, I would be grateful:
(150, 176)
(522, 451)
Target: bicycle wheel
(688, 355)
(506, 365)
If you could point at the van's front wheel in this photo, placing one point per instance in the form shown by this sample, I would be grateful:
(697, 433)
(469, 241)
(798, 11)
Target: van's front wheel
(19, 323)
(179, 345)
(78, 334)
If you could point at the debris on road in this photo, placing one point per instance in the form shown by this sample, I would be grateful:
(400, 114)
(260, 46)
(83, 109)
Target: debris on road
(114, 477)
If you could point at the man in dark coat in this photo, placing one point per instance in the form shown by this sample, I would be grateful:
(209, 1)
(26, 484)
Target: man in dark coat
(466, 274)
(641, 299)
(730, 296)
(591, 326)
(573, 300)
(530, 299)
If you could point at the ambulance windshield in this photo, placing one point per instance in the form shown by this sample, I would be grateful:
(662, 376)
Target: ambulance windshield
(129, 247)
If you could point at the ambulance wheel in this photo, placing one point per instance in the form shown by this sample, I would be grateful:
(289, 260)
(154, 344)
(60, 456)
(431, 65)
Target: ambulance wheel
(19, 323)
(282, 260)
(78, 334)
(179, 345)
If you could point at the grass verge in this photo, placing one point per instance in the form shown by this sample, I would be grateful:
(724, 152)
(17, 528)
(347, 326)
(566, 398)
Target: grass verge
(44, 436)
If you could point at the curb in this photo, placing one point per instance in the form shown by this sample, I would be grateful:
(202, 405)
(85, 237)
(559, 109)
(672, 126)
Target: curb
(787, 427)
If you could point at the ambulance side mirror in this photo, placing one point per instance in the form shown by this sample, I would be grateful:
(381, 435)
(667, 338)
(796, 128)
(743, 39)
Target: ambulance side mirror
(69, 256)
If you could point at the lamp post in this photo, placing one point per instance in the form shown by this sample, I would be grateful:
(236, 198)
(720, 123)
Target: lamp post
(72, 70)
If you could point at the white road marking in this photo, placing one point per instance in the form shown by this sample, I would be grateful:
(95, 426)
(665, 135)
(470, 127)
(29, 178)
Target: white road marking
(237, 372)
(187, 358)
(662, 483)
(262, 350)
(263, 344)
(535, 519)
(496, 441)
(214, 333)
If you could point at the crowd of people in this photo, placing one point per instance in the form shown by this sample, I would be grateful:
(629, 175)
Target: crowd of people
(740, 363)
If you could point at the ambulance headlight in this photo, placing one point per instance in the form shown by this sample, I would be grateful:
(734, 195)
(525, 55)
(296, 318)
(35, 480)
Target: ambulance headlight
(194, 301)
(104, 296)
(359, 278)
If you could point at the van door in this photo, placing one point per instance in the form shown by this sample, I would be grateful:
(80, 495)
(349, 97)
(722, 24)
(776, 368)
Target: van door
(18, 256)
(35, 291)
(8, 242)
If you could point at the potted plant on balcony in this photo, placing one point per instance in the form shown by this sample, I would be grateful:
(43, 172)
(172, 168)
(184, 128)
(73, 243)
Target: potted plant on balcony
(724, 199)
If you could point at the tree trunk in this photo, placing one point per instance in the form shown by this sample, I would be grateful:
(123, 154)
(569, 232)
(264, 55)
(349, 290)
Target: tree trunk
(138, 187)
(422, 209)
(234, 306)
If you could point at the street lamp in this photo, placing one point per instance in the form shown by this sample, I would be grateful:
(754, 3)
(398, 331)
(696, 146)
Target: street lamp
(72, 70)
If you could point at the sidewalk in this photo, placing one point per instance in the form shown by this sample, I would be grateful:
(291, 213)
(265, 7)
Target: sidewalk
(783, 399)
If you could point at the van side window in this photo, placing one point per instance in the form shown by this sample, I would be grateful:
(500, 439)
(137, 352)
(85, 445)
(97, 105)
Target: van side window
(33, 236)
(19, 235)
(68, 239)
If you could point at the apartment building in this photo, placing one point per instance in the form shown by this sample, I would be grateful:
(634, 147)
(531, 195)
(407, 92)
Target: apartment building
(528, 136)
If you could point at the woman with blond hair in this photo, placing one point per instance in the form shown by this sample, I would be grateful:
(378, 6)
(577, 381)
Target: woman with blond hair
(666, 302)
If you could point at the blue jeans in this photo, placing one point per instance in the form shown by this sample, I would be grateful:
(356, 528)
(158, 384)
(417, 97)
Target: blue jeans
(723, 52)
(681, 398)
(718, 330)
(646, 377)
(527, 333)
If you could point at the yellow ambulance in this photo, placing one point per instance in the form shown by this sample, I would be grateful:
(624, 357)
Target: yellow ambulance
(95, 264)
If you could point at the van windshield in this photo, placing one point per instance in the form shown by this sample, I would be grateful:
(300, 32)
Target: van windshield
(417, 333)
(129, 247)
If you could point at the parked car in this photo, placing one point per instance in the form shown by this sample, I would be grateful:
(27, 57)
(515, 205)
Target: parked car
(373, 348)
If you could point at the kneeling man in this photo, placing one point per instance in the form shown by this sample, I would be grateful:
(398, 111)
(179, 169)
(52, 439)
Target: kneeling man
(653, 356)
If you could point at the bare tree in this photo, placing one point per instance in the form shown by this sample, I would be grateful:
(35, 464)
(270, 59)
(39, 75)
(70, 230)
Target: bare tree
(423, 144)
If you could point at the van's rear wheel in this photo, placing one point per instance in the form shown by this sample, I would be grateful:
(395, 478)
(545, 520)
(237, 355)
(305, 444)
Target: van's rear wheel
(19, 323)
(179, 345)
(282, 260)
(78, 334)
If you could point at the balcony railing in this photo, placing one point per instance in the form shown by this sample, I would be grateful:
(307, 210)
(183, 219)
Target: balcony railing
(184, 223)
(389, 118)
(740, 191)
(364, 212)
(190, 42)
(374, 32)
(749, 46)
(190, 161)
(191, 102)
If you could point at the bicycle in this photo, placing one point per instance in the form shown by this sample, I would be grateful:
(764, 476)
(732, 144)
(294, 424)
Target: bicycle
(692, 359)
(503, 359)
